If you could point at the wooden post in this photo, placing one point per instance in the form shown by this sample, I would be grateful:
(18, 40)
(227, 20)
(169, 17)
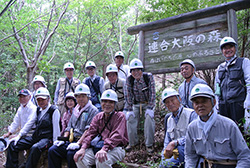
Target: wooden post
(232, 24)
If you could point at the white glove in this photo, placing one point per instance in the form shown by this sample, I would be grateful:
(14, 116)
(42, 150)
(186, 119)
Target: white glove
(150, 113)
(73, 146)
(15, 139)
(58, 143)
(129, 113)
(247, 102)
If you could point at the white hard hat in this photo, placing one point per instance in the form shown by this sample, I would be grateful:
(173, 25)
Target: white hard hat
(39, 78)
(135, 63)
(68, 65)
(201, 90)
(82, 89)
(90, 64)
(119, 53)
(70, 95)
(168, 92)
(188, 61)
(109, 95)
(4, 143)
(42, 92)
(111, 68)
(227, 40)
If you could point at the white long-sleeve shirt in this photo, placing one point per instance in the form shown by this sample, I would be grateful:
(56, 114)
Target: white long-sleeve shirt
(24, 119)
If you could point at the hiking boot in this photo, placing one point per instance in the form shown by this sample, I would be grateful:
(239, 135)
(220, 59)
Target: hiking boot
(150, 149)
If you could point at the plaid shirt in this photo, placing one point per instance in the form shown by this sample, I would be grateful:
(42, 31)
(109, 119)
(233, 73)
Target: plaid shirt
(138, 95)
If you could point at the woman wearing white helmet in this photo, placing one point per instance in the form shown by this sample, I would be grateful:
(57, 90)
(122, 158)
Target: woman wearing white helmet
(212, 136)
(79, 123)
(111, 126)
(232, 82)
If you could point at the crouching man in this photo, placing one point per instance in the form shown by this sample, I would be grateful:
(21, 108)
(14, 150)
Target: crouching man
(213, 137)
(177, 123)
(111, 128)
(47, 130)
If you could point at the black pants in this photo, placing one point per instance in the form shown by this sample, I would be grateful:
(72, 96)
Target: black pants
(36, 147)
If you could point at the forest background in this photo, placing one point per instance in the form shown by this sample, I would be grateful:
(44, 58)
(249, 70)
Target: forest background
(37, 37)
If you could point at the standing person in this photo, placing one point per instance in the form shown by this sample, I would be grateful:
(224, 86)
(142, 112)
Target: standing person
(37, 82)
(187, 67)
(79, 123)
(65, 85)
(95, 84)
(123, 70)
(70, 103)
(140, 103)
(47, 130)
(212, 136)
(111, 126)
(177, 123)
(232, 82)
(117, 84)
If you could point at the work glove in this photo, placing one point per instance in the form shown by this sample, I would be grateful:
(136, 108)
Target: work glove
(73, 146)
(15, 139)
(58, 143)
(150, 113)
(129, 113)
(247, 102)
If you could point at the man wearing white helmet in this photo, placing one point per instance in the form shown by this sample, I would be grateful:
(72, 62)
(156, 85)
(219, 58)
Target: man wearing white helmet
(213, 137)
(188, 68)
(95, 84)
(37, 82)
(47, 130)
(117, 84)
(140, 103)
(65, 147)
(108, 128)
(177, 123)
(65, 85)
(232, 82)
(123, 70)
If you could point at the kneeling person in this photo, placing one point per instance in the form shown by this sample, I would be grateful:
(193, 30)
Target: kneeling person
(111, 126)
(79, 122)
(47, 130)
(177, 123)
(212, 136)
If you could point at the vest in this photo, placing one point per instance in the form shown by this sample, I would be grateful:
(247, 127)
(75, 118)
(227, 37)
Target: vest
(94, 89)
(232, 82)
(179, 130)
(44, 126)
(66, 88)
(120, 93)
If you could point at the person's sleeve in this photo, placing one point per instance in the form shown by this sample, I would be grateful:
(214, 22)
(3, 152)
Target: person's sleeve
(16, 122)
(152, 97)
(191, 157)
(239, 147)
(246, 70)
(217, 89)
(167, 139)
(101, 84)
(30, 122)
(128, 96)
(57, 92)
(70, 123)
(56, 124)
(93, 113)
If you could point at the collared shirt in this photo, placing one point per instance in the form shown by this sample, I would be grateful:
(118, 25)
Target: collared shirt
(123, 71)
(114, 134)
(25, 118)
(83, 121)
(139, 95)
(181, 140)
(101, 82)
(223, 141)
(185, 90)
(65, 120)
(55, 121)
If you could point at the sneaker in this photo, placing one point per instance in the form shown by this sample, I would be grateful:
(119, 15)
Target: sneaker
(150, 149)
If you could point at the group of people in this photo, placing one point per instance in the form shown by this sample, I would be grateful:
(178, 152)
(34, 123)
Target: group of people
(95, 122)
